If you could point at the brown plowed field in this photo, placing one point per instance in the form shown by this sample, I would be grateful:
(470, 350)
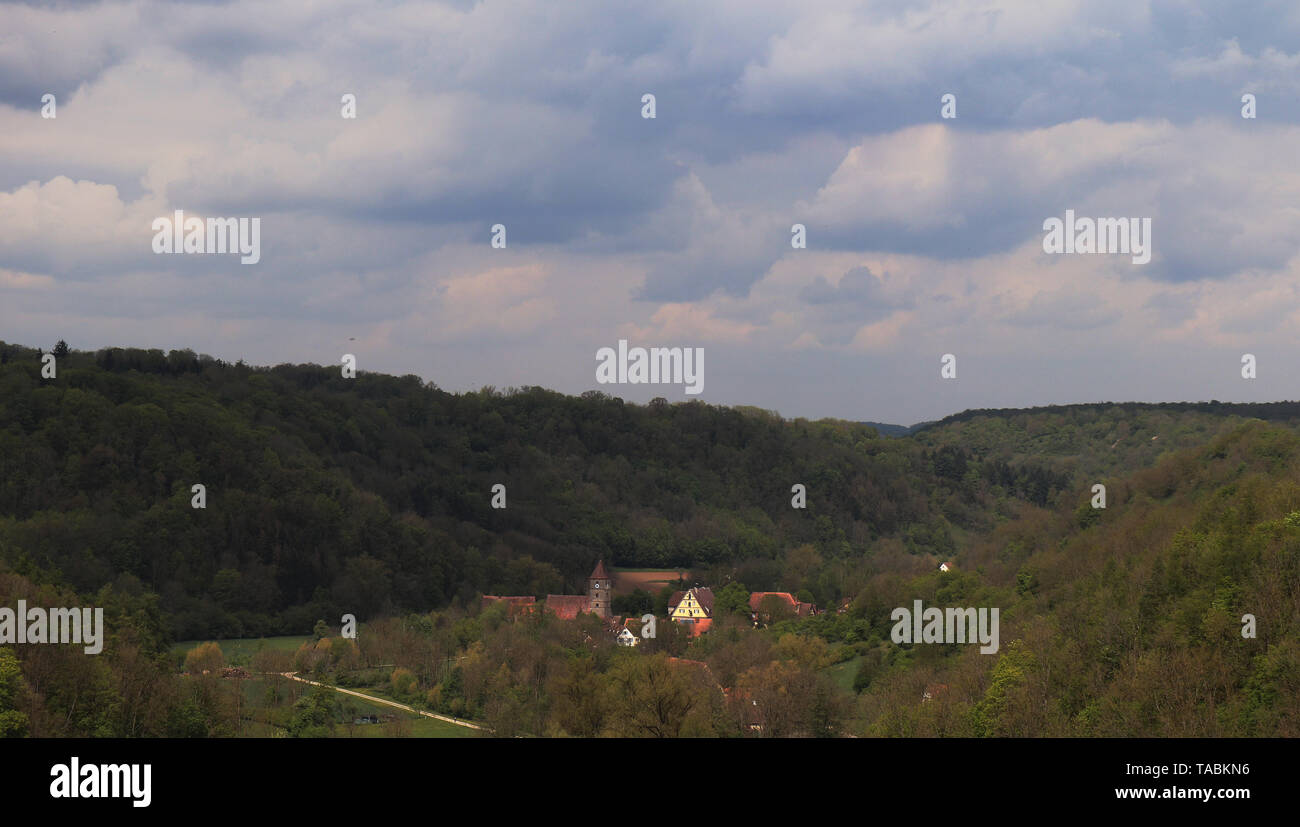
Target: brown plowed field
(626, 582)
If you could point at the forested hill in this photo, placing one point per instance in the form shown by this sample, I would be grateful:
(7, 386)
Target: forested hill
(885, 429)
(1096, 440)
(1170, 613)
(373, 495)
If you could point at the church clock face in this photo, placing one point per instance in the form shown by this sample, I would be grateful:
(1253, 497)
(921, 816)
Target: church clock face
(598, 585)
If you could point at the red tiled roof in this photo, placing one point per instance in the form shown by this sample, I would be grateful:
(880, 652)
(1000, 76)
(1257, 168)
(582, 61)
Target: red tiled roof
(599, 573)
(756, 600)
(567, 606)
(516, 605)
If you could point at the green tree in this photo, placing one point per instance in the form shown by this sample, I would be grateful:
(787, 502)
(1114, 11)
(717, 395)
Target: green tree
(580, 706)
(314, 714)
(206, 658)
(732, 598)
(650, 697)
(991, 716)
(637, 603)
(402, 682)
(13, 721)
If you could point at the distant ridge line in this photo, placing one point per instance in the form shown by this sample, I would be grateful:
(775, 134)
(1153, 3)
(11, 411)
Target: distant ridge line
(1287, 409)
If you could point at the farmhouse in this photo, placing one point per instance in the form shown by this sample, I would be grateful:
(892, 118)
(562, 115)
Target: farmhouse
(693, 607)
(627, 636)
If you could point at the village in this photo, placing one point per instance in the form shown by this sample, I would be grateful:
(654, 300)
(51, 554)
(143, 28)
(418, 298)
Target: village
(692, 607)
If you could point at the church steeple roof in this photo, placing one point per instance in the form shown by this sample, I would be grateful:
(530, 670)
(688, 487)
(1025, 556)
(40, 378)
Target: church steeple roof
(599, 573)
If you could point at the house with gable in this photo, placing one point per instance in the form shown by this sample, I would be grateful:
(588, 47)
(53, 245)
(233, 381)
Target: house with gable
(693, 607)
(627, 636)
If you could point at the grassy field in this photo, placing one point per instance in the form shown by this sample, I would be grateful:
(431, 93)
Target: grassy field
(239, 651)
(844, 673)
(419, 726)
(263, 723)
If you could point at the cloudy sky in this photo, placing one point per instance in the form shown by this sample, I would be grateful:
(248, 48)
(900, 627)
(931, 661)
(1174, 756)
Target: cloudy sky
(924, 234)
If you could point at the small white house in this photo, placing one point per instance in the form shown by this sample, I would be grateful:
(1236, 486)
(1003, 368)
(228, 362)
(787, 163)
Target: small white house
(946, 567)
(626, 637)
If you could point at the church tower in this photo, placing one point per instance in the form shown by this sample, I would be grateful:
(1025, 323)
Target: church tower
(598, 591)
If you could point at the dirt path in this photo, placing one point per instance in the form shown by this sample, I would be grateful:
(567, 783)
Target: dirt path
(386, 702)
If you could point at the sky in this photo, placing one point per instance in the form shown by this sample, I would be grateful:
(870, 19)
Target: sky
(924, 234)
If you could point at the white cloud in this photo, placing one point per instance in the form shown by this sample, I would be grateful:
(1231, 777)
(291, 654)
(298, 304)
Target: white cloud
(674, 230)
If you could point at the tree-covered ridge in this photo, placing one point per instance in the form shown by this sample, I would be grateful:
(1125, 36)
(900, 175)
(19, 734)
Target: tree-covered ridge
(1125, 621)
(1101, 437)
(372, 495)
(1091, 442)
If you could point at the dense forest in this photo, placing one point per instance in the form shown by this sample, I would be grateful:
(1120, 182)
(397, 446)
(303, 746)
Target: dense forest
(1121, 621)
(372, 495)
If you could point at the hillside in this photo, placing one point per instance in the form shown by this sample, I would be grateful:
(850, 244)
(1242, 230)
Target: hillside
(1097, 439)
(373, 495)
(885, 429)
(1125, 621)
